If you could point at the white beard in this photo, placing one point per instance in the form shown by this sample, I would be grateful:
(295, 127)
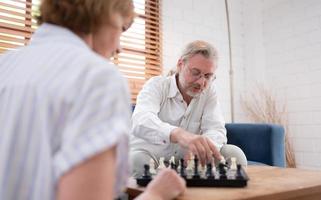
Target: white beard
(188, 92)
(193, 94)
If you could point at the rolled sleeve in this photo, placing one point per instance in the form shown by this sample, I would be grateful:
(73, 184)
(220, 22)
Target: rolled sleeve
(86, 145)
(150, 128)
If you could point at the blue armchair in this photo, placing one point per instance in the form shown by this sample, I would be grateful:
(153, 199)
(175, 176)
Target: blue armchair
(261, 143)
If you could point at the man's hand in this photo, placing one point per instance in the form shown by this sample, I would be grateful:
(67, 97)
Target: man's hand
(197, 144)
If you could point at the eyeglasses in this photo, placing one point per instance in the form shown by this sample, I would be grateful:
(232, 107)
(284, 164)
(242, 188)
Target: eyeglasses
(196, 74)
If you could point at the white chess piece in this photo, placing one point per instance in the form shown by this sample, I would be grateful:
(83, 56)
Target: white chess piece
(190, 165)
(152, 170)
(172, 160)
(202, 170)
(213, 166)
(161, 164)
(233, 164)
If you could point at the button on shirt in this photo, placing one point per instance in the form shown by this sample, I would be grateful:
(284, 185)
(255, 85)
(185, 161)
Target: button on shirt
(160, 108)
(60, 104)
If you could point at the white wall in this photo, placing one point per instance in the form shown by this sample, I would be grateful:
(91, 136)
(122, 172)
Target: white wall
(292, 41)
(276, 42)
(188, 20)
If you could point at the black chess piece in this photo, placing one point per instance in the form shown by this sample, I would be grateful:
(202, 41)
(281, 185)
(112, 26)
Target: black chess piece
(166, 163)
(222, 171)
(173, 166)
(196, 174)
(182, 169)
(146, 174)
(209, 172)
(238, 172)
(145, 178)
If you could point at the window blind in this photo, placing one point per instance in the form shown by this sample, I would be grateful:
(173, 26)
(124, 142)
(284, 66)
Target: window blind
(16, 23)
(139, 60)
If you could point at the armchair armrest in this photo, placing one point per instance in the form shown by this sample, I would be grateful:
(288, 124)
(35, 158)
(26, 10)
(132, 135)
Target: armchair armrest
(264, 143)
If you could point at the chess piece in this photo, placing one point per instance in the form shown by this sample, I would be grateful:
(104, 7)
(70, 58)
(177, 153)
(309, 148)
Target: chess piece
(146, 174)
(209, 171)
(173, 166)
(202, 170)
(172, 160)
(182, 168)
(179, 166)
(238, 172)
(161, 164)
(196, 173)
(222, 171)
(190, 165)
(233, 164)
(213, 166)
(166, 163)
(152, 170)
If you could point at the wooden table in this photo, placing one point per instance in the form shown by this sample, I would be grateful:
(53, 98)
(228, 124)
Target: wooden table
(270, 183)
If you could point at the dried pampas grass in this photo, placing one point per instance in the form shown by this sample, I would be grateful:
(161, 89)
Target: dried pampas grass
(262, 107)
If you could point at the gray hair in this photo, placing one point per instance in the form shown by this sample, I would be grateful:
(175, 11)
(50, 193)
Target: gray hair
(197, 47)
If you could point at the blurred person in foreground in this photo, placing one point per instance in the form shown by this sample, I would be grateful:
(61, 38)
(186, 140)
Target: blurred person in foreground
(65, 110)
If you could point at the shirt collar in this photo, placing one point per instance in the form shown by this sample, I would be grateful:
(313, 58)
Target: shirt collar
(173, 88)
(50, 33)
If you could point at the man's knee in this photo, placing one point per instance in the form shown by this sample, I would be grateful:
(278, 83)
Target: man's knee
(138, 159)
(229, 151)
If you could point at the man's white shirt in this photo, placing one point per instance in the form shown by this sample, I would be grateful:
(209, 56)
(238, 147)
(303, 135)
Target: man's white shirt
(160, 108)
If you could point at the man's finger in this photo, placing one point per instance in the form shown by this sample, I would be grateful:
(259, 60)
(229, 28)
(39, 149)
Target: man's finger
(217, 155)
(208, 151)
(194, 151)
(201, 152)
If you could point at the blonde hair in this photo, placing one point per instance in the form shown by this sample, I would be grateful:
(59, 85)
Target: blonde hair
(83, 16)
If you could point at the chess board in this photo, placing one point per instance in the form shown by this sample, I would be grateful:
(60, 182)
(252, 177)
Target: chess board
(220, 176)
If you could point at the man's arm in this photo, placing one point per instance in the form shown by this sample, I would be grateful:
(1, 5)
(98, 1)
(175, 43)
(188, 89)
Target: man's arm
(146, 123)
(213, 124)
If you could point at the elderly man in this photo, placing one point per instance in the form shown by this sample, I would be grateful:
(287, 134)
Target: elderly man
(180, 114)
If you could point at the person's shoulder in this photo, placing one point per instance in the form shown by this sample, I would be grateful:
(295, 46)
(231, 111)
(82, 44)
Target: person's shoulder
(100, 66)
(158, 80)
(96, 72)
(11, 53)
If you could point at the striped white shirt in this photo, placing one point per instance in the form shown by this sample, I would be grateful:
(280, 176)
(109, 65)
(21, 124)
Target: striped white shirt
(60, 103)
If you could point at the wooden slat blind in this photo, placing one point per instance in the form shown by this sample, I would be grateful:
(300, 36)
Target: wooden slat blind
(141, 55)
(139, 60)
(16, 23)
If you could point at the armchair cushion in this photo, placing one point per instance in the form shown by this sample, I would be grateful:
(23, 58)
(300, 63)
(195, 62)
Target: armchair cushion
(263, 143)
